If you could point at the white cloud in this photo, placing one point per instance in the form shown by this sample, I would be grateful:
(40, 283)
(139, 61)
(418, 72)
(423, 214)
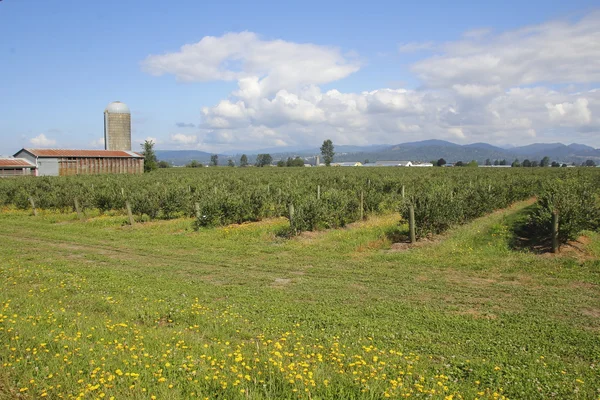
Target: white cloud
(42, 141)
(180, 138)
(273, 64)
(557, 52)
(576, 113)
(98, 143)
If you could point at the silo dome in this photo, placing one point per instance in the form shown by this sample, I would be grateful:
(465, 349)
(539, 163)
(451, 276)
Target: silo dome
(116, 107)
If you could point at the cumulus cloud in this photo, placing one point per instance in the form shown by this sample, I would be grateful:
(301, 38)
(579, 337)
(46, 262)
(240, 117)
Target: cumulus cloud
(556, 51)
(42, 141)
(275, 64)
(180, 138)
(507, 87)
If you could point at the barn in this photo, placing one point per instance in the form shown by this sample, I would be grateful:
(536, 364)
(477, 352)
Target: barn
(16, 167)
(57, 162)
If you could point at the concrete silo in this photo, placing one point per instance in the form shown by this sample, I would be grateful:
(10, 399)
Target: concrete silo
(117, 127)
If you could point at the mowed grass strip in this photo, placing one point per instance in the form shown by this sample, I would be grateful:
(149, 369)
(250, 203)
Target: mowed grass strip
(101, 310)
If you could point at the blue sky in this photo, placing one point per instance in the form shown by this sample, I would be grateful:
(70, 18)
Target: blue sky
(62, 62)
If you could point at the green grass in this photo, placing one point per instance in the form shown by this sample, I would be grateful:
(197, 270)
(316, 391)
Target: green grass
(100, 309)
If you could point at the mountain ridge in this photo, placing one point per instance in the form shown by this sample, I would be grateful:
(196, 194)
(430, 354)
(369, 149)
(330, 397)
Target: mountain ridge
(425, 150)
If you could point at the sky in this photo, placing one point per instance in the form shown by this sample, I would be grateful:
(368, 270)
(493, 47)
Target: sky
(232, 76)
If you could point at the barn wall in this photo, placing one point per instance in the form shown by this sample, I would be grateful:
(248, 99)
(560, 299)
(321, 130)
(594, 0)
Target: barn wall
(48, 167)
(100, 165)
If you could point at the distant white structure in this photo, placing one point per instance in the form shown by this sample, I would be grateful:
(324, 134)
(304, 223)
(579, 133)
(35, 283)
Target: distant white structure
(427, 164)
(394, 163)
(348, 164)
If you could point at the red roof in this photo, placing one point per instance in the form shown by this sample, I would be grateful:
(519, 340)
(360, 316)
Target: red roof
(15, 162)
(51, 153)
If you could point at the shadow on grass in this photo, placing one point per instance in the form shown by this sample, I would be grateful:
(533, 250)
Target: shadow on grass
(524, 236)
(398, 234)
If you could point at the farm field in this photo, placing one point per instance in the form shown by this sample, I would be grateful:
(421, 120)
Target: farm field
(171, 308)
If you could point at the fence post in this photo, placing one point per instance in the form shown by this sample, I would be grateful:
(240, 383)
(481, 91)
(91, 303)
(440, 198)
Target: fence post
(555, 231)
(362, 205)
(197, 208)
(129, 213)
(122, 192)
(318, 192)
(291, 211)
(402, 191)
(32, 202)
(78, 209)
(411, 223)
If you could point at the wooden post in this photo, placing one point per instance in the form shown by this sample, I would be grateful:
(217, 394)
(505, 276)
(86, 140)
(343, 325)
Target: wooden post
(489, 188)
(291, 211)
(318, 192)
(403, 191)
(129, 213)
(122, 192)
(215, 190)
(197, 208)
(362, 205)
(32, 202)
(268, 188)
(555, 231)
(411, 223)
(78, 209)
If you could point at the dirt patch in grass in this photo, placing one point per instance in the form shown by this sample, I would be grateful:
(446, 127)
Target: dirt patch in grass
(591, 312)
(281, 282)
(406, 245)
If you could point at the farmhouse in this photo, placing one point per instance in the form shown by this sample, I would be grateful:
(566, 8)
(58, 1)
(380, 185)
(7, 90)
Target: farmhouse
(16, 167)
(57, 162)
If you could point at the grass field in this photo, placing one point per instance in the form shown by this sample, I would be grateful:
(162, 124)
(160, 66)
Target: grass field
(103, 310)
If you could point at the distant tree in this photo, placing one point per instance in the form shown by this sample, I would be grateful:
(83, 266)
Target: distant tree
(516, 163)
(244, 160)
(555, 164)
(214, 160)
(230, 163)
(263, 160)
(564, 165)
(472, 164)
(488, 162)
(441, 162)
(590, 163)
(297, 162)
(150, 161)
(327, 152)
(503, 162)
(164, 164)
(526, 163)
(366, 161)
(194, 164)
(535, 164)
(459, 164)
(545, 162)
(281, 163)
(496, 162)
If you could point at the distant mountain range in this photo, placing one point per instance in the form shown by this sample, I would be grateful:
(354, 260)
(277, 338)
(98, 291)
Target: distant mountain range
(425, 150)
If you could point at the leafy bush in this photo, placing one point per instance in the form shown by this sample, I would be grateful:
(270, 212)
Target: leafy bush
(574, 200)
